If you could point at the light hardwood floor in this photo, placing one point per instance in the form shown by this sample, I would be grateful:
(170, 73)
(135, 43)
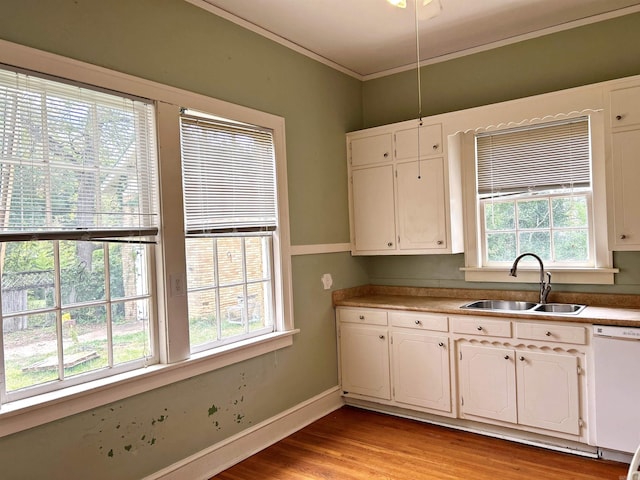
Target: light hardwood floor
(354, 444)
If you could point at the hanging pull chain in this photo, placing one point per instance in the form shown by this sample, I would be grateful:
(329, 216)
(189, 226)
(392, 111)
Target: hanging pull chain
(419, 85)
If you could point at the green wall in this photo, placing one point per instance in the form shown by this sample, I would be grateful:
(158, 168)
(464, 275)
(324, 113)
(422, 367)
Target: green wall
(175, 43)
(584, 55)
(178, 44)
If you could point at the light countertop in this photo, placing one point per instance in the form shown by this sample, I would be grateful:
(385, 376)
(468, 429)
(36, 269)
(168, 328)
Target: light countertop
(602, 309)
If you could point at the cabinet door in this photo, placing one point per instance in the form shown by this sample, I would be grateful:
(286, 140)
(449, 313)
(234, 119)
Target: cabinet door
(371, 150)
(421, 205)
(488, 382)
(421, 370)
(373, 208)
(626, 194)
(548, 391)
(364, 360)
(430, 142)
(625, 107)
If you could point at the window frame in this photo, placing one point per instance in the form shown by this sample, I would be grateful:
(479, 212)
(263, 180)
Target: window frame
(555, 106)
(175, 361)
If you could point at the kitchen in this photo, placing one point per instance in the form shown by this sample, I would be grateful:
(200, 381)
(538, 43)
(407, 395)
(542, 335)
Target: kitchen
(176, 43)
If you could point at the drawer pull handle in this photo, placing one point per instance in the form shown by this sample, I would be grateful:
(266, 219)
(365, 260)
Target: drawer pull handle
(480, 328)
(506, 357)
(436, 146)
(441, 344)
(522, 359)
(361, 317)
(386, 154)
(548, 334)
(381, 337)
(618, 117)
(418, 322)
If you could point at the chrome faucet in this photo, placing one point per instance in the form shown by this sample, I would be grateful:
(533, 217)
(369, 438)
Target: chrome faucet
(545, 286)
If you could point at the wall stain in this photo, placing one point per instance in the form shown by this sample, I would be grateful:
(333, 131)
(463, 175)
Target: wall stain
(134, 434)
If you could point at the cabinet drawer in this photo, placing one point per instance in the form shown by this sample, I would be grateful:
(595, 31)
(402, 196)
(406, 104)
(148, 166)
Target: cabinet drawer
(421, 321)
(551, 333)
(366, 316)
(481, 326)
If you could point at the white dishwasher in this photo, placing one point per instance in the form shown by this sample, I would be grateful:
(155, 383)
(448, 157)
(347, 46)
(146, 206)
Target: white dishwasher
(616, 354)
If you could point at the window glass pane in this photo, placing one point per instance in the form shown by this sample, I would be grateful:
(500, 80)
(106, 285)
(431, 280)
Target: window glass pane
(230, 260)
(501, 247)
(259, 313)
(536, 242)
(131, 331)
(27, 276)
(84, 336)
(30, 350)
(258, 261)
(499, 215)
(82, 275)
(571, 245)
(570, 212)
(232, 303)
(128, 275)
(203, 327)
(533, 214)
(200, 254)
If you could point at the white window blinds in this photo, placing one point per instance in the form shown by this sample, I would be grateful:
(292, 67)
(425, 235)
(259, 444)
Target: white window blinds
(74, 162)
(546, 157)
(228, 177)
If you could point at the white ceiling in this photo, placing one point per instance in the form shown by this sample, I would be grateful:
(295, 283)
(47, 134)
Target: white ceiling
(370, 38)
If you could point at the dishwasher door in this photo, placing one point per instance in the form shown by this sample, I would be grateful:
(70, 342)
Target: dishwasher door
(616, 354)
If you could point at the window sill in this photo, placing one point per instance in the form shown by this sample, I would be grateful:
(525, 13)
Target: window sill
(580, 276)
(30, 412)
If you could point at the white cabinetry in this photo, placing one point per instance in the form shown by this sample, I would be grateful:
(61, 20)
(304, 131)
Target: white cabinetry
(624, 169)
(364, 353)
(532, 387)
(420, 360)
(406, 363)
(404, 195)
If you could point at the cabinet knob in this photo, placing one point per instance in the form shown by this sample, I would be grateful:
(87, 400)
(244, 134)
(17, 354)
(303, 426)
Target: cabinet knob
(390, 244)
(548, 334)
(439, 242)
(441, 344)
(479, 328)
(361, 317)
(522, 359)
(381, 337)
(506, 357)
(618, 117)
(623, 236)
(418, 322)
(386, 154)
(436, 146)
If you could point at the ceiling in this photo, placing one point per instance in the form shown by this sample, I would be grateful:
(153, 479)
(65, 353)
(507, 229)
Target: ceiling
(371, 38)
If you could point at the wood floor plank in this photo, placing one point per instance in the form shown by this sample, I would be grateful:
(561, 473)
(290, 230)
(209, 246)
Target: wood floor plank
(355, 444)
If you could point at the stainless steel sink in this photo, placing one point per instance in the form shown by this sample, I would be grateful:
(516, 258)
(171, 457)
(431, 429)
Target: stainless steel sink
(524, 307)
(503, 305)
(559, 308)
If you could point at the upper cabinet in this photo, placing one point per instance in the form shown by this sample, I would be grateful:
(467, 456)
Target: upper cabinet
(624, 169)
(404, 194)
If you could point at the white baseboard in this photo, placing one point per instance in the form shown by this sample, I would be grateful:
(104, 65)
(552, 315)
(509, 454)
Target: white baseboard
(213, 460)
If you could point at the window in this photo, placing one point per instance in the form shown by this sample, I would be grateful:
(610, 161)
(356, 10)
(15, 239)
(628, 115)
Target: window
(229, 189)
(77, 217)
(534, 191)
(93, 236)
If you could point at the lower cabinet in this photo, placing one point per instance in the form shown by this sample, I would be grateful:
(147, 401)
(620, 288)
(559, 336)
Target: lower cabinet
(537, 389)
(364, 352)
(421, 374)
(403, 359)
(524, 375)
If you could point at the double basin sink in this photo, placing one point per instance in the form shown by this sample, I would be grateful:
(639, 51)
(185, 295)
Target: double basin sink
(516, 306)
